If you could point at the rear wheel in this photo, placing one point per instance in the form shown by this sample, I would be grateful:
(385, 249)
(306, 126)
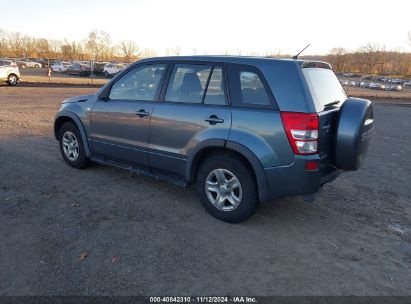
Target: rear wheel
(106, 74)
(12, 80)
(71, 146)
(226, 188)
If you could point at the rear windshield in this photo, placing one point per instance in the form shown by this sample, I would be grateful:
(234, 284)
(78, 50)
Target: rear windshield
(324, 87)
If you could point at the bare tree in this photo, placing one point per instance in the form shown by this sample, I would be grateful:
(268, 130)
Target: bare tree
(97, 42)
(174, 51)
(338, 58)
(148, 53)
(43, 48)
(371, 55)
(16, 44)
(29, 44)
(4, 45)
(71, 50)
(129, 49)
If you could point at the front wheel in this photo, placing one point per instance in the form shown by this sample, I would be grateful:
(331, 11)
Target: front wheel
(12, 80)
(226, 188)
(71, 146)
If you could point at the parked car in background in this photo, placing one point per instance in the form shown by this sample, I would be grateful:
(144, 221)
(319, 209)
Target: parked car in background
(98, 68)
(44, 63)
(9, 72)
(112, 69)
(59, 66)
(407, 84)
(172, 118)
(396, 88)
(27, 63)
(79, 69)
(376, 86)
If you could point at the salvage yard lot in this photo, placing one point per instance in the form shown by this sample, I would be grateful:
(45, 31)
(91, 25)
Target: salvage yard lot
(103, 231)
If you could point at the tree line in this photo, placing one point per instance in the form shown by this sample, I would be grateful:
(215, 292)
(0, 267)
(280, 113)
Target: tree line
(367, 59)
(370, 59)
(97, 46)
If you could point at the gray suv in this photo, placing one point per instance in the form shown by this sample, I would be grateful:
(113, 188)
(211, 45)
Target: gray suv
(243, 130)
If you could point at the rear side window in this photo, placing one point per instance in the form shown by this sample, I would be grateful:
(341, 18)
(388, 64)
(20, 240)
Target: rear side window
(248, 87)
(252, 89)
(188, 83)
(324, 87)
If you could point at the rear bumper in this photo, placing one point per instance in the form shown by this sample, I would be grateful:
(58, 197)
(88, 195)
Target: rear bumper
(296, 180)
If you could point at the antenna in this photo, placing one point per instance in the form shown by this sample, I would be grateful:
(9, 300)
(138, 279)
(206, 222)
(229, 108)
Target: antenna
(296, 56)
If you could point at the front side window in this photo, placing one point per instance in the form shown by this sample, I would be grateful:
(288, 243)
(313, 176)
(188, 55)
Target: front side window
(141, 83)
(188, 83)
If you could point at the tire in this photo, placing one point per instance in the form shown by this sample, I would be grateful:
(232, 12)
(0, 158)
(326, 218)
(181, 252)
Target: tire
(12, 80)
(246, 194)
(106, 74)
(23, 66)
(70, 139)
(37, 66)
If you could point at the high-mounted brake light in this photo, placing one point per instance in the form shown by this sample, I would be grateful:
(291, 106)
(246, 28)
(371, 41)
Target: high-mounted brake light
(302, 131)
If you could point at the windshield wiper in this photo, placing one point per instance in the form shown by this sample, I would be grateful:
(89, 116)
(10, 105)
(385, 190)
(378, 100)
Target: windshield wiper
(331, 103)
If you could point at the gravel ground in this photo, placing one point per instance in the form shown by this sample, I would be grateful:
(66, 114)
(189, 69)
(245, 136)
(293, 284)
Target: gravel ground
(103, 231)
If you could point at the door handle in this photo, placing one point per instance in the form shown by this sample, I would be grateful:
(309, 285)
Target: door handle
(142, 113)
(213, 119)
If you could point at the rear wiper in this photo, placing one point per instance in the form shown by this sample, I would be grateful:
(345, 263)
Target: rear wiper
(331, 103)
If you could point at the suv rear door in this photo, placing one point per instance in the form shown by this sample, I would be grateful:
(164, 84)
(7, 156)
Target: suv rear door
(193, 111)
(120, 118)
(328, 96)
(256, 120)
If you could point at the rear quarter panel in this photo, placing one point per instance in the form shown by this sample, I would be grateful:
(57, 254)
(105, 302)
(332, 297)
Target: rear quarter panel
(262, 132)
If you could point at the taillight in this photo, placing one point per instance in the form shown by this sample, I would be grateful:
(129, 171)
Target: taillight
(302, 131)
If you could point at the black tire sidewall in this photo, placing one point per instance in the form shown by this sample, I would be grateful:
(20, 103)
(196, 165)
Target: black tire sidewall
(249, 200)
(8, 80)
(82, 160)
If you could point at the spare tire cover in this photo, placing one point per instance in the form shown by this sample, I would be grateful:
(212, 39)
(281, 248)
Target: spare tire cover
(355, 125)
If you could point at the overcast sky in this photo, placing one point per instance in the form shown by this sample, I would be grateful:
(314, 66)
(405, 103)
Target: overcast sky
(216, 26)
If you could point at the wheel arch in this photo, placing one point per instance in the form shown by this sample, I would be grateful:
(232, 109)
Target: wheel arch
(232, 148)
(64, 117)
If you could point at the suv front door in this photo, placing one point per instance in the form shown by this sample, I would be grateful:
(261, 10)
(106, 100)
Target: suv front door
(120, 119)
(193, 109)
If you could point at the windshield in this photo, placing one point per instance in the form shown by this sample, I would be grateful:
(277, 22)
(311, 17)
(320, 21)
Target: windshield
(324, 87)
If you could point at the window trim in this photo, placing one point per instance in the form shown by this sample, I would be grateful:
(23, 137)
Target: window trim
(190, 62)
(234, 70)
(105, 93)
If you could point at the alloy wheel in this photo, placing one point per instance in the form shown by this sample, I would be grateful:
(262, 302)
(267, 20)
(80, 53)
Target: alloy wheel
(223, 189)
(70, 146)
